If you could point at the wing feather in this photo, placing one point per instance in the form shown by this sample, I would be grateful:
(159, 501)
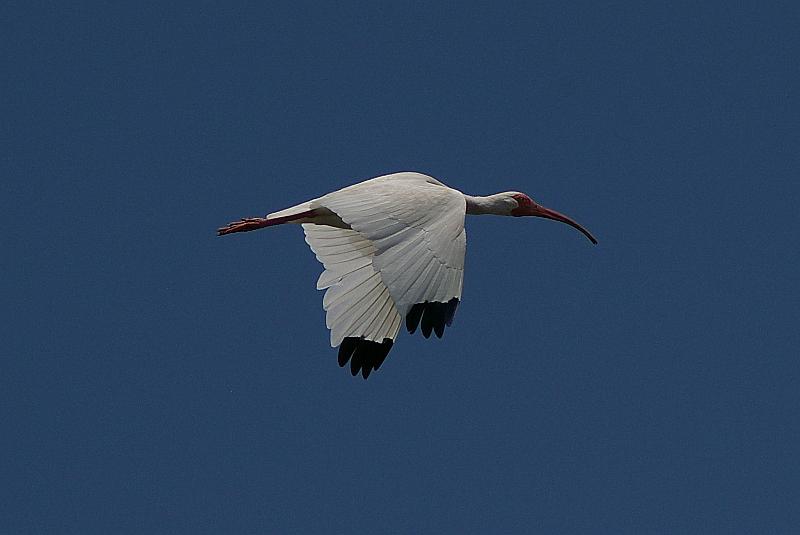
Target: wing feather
(405, 245)
(356, 301)
(366, 318)
(358, 285)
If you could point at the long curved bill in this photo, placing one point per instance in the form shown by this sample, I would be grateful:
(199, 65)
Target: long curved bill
(538, 210)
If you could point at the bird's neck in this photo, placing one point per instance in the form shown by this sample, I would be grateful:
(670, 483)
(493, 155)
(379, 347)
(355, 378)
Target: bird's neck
(491, 204)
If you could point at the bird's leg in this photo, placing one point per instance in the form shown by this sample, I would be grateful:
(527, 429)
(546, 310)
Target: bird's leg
(253, 223)
(244, 225)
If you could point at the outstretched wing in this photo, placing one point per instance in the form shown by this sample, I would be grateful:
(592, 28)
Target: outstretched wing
(359, 309)
(402, 257)
(416, 227)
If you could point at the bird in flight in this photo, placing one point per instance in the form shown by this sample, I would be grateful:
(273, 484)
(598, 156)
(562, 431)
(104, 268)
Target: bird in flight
(393, 251)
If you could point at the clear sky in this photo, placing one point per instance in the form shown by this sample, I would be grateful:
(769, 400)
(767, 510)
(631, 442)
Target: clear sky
(158, 379)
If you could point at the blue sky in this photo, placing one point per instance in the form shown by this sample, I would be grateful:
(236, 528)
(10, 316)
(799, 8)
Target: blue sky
(158, 379)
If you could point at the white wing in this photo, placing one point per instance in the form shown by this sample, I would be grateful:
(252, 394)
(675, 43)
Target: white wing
(360, 311)
(357, 302)
(402, 257)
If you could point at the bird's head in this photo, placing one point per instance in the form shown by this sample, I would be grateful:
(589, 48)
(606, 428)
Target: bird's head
(522, 205)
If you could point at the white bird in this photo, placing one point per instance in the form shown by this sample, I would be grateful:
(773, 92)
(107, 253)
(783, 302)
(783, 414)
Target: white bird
(393, 249)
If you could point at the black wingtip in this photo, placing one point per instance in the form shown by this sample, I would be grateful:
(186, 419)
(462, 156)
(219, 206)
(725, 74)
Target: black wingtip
(439, 329)
(431, 317)
(413, 317)
(346, 349)
(427, 326)
(364, 356)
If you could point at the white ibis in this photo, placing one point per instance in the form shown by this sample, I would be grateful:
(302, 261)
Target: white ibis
(393, 248)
